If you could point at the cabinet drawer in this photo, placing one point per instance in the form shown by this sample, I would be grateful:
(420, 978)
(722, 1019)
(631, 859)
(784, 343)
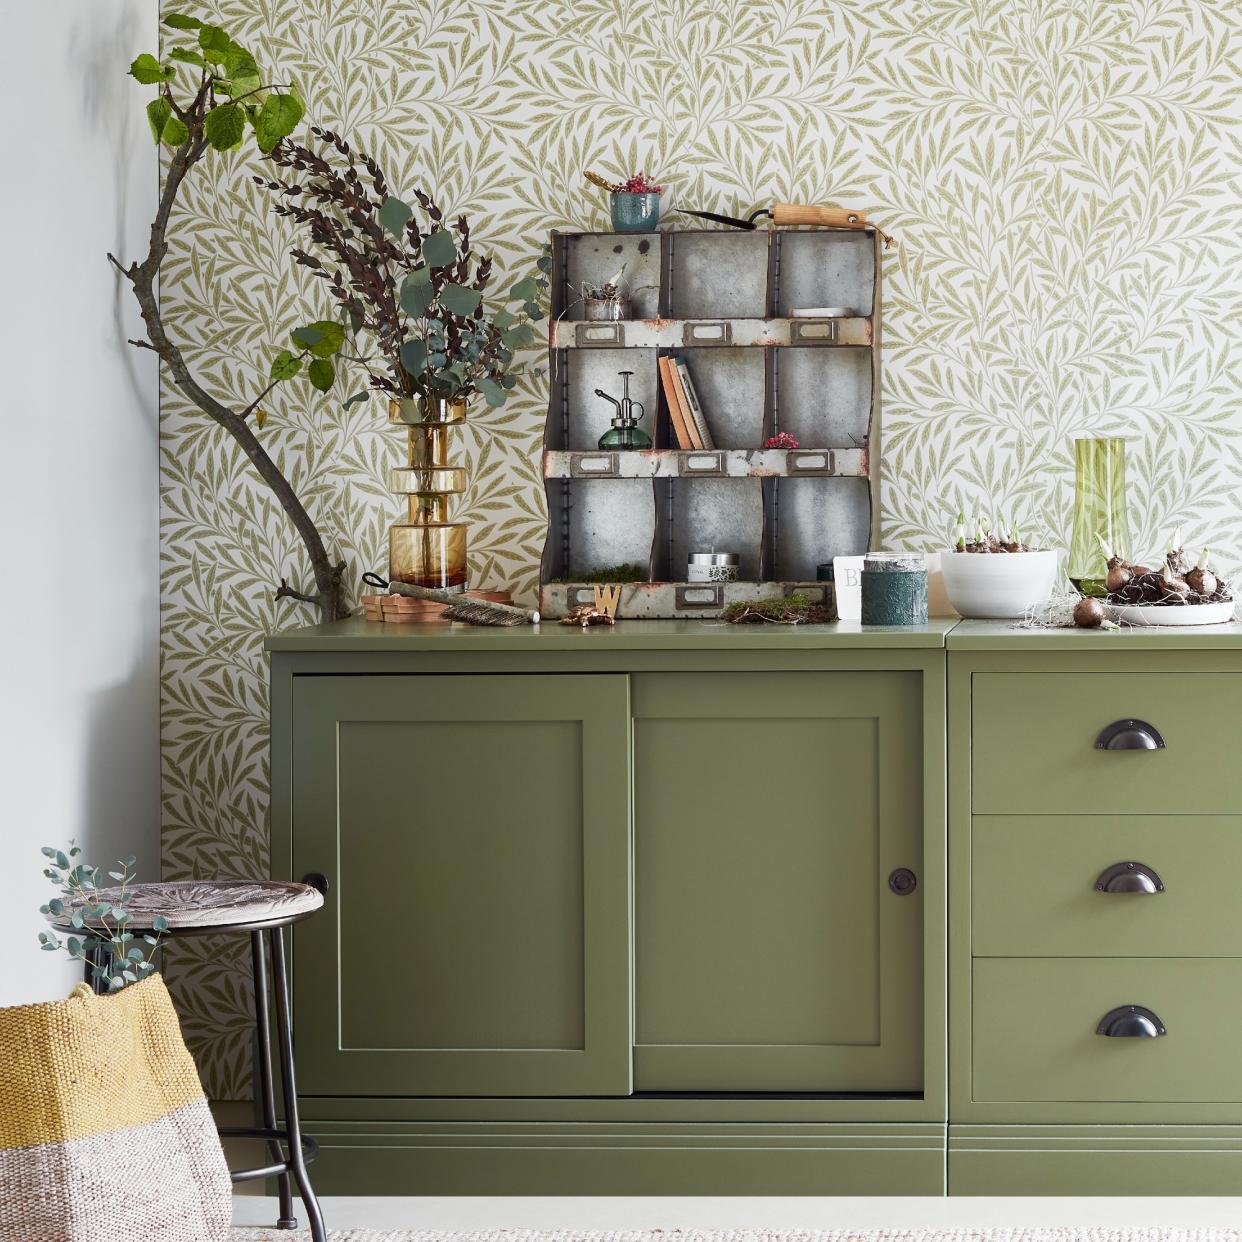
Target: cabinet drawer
(1035, 1037)
(1034, 743)
(1033, 886)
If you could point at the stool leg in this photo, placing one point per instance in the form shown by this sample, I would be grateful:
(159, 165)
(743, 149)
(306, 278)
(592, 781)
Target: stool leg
(284, 1028)
(265, 1095)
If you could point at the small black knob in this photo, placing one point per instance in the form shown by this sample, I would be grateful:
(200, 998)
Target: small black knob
(1129, 735)
(316, 879)
(903, 881)
(1129, 877)
(1130, 1022)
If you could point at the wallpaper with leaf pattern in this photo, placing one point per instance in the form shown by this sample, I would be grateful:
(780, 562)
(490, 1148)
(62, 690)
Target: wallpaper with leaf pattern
(1062, 177)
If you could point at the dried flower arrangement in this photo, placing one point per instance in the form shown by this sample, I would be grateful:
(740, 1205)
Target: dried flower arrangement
(635, 183)
(415, 295)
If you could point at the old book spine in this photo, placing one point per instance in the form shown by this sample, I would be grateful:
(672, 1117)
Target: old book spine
(695, 406)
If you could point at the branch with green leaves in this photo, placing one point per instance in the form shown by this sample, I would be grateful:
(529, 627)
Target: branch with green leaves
(114, 954)
(416, 294)
(211, 93)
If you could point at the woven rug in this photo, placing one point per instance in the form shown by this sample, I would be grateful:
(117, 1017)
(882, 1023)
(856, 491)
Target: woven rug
(1092, 1234)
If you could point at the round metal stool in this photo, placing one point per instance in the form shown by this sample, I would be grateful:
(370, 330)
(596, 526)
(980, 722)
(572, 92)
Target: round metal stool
(261, 908)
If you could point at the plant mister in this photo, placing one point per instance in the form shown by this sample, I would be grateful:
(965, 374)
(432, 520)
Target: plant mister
(625, 432)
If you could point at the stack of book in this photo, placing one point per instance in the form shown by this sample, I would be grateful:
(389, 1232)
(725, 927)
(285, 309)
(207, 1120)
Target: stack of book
(684, 407)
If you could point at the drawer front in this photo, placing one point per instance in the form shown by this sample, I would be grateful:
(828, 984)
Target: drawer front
(1034, 894)
(1035, 1039)
(1034, 743)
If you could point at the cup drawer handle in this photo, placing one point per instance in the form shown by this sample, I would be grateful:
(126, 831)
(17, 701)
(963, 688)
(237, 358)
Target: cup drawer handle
(1130, 1022)
(1129, 877)
(1129, 735)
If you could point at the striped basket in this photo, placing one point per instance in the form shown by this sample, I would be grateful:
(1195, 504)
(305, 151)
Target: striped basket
(104, 1129)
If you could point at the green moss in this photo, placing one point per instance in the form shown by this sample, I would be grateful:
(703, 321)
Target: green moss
(789, 609)
(614, 573)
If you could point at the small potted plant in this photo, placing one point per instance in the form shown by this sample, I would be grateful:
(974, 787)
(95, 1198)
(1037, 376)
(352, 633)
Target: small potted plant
(634, 202)
(612, 300)
(995, 575)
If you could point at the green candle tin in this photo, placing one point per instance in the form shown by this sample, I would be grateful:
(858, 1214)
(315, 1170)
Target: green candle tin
(894, 589)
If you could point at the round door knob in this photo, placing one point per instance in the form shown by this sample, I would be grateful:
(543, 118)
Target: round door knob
(1129, 877)
(903, 881)
(1130, 1022)
(316, 879)
(1129, 735)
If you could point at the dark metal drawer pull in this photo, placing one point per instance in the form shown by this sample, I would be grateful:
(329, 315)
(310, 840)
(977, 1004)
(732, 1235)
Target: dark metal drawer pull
(1130, 1022)
(1129, 877)
(1129, 735)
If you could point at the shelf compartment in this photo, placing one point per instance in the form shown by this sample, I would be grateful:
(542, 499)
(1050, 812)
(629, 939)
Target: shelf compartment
(812, 520)
(594, 257)
(719, 463)
(824, 396)
(578, 417)
(732, 387)
(649, 601)
(667, 333)
(825, 267)
(716, 274)
(597, 524)
(704, 515)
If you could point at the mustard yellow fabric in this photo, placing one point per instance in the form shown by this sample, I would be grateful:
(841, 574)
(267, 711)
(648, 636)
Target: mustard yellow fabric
(92, 1064)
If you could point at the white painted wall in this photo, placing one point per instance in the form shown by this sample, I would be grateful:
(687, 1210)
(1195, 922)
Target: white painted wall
(79, 665)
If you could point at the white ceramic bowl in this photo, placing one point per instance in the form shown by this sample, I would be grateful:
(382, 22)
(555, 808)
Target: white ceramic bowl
(998, 584)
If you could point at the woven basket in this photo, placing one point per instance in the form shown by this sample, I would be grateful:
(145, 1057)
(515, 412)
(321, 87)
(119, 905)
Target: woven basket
(104, 1129)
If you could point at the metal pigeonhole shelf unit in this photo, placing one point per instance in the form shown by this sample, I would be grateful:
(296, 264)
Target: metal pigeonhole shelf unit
(721, 301)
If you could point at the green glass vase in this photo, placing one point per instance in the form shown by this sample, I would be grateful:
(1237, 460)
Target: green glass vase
(1101, 513)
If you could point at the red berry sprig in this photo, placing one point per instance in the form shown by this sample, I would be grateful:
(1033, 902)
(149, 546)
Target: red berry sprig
(639, 183)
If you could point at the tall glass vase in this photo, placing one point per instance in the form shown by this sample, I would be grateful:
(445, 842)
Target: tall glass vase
(427, 549)
(1101, 514)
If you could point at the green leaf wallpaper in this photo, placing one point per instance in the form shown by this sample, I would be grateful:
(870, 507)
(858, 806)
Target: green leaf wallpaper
(1062, 177)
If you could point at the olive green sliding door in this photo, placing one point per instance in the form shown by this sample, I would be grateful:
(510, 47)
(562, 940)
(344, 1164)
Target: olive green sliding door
(475, 833)
(771, 953)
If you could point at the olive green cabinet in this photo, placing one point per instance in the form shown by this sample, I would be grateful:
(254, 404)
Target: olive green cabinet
(771, 953)
(1096, 948)
(475, 833)
(652, 910)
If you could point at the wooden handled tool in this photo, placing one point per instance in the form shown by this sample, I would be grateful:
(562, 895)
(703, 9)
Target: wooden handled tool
(829, 217)
(463, 608)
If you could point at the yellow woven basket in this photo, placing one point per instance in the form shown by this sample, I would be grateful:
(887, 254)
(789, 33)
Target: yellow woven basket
(105, 1131)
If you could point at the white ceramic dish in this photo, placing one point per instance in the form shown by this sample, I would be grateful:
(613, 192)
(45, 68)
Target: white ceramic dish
(997, 584)
(1176, 614)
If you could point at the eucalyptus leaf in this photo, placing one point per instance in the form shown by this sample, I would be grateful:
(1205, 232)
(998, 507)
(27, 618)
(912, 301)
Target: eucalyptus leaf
(439, 249)
(159, 923)
(525, 290)
(414, 357)
(520, 336)
(459, 299)
(393, 215)
(492, 392)
(504, 319)
(416, 293)
(356, 398)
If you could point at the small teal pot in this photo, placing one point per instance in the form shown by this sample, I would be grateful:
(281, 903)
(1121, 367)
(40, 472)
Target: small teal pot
(635, 213)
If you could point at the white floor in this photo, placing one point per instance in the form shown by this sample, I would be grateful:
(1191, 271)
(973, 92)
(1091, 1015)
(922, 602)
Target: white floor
(733, 1213)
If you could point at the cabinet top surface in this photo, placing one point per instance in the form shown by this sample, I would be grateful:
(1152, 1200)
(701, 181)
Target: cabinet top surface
(356, 634)
(1007, 636)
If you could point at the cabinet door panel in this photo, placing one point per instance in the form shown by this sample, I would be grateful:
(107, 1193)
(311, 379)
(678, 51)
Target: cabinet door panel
(475, 831)
(771, 954)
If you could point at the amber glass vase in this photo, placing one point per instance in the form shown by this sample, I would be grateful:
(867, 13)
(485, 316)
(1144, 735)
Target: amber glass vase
(427, 549)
